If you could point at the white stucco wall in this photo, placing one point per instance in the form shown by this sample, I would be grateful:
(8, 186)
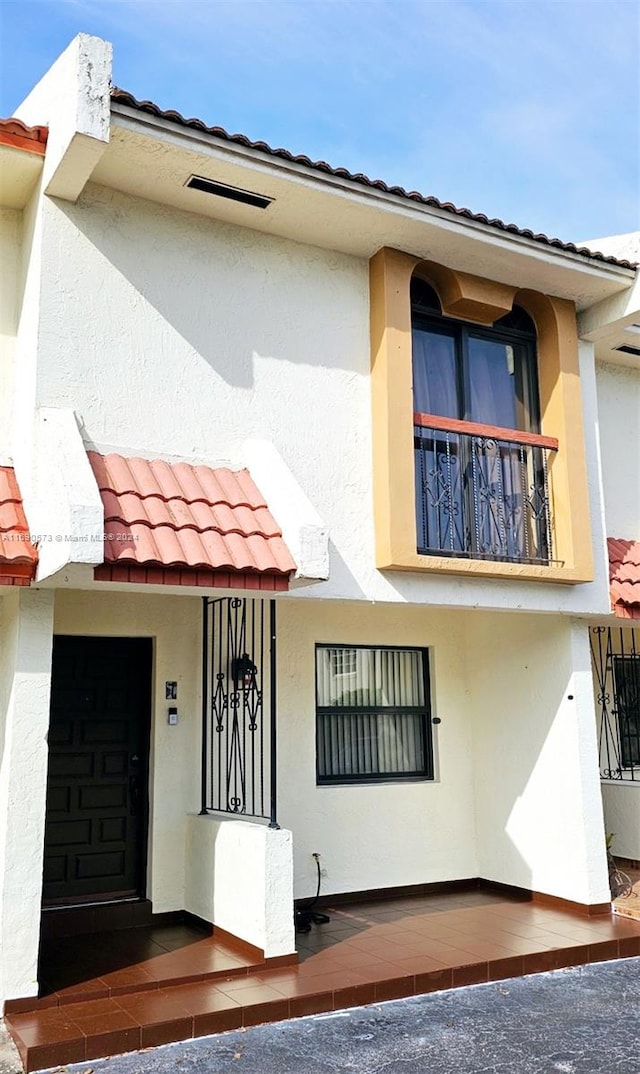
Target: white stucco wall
(619, 420)
(512, 756)
(621, 801)
(377, 835)
(9, 620)
(240, 877)
(27, 633)
(176, 336)
(538, 806)
(26, 346)
(174, 623)
(10, 241)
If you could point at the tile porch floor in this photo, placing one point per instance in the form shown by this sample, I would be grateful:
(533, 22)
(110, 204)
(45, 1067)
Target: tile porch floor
(116, 992)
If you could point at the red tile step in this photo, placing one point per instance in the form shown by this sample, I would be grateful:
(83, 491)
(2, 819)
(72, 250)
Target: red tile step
(125, 1021)
(207, 959)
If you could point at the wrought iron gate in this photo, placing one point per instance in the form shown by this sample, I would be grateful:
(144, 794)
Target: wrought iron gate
(239, 707)
(615, 654)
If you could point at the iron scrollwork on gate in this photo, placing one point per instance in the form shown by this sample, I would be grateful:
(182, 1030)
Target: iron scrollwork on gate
(615, 655)
(238, 727)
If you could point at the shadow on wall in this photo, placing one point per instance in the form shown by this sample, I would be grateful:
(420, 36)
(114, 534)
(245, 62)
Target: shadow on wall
(229, 293)
(390, 834)
(539, 818)
(341, 579)
(514, 800)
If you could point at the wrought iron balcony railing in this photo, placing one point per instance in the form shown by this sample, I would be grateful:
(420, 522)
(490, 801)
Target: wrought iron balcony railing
(482, 492)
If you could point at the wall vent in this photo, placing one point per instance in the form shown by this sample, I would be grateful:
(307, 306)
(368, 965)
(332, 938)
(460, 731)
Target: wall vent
(626, 349)
(233, 193)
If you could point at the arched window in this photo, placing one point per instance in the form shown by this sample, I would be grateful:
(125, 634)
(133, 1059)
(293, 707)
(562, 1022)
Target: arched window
(470, 372)
(481, 479)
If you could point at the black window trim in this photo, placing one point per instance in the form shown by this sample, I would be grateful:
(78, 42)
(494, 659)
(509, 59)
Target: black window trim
(629, 744)
(461, 331)
(427, 774)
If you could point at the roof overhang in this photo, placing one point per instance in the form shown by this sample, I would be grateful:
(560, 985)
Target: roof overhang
(187, 525)
(22, 152)
(617, 341)
(86, 527)
(613, 325)
(150, 157)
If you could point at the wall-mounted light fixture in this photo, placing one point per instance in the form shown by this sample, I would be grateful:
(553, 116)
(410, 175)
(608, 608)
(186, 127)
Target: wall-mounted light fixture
(243, 672)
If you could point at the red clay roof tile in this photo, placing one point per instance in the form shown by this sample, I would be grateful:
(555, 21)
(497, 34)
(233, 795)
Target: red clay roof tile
(193, 517)
(18, 557)
(15, 133)
(624, 577)
(122, 97)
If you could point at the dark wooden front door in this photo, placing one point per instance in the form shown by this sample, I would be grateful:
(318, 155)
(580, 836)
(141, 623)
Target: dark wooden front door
(97, 801)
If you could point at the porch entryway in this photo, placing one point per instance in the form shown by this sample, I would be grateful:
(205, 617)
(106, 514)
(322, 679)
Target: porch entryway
(97, 784)
(185, 983)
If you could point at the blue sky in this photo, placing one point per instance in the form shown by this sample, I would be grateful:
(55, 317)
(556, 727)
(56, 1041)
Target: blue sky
(523, 109)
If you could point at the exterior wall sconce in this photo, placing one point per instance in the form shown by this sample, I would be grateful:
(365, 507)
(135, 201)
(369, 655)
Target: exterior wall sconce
(243, 672)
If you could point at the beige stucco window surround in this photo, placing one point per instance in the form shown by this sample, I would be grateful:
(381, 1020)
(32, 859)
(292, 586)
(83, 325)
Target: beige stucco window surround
(481, 301)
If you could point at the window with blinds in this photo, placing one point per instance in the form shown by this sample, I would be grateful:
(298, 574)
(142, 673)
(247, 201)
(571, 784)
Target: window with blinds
(626, 673)
(373, 714)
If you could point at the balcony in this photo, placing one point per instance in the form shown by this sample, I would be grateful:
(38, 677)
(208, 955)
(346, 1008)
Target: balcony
(482, 492)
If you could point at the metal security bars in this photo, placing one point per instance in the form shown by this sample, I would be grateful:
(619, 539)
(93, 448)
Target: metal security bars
(615, 655)
(239, 707)
(482, 496)
(372, 714)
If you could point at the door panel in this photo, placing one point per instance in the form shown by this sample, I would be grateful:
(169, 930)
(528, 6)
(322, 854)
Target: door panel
(97, 788)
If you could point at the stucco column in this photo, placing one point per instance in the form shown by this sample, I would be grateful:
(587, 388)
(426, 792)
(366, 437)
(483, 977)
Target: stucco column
(595, 865)
(240, 877)
(27, 633)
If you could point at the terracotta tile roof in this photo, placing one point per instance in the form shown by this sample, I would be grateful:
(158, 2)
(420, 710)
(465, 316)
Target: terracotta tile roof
(14, 132)
(18, 557)
(122, 97)
(182, 520)
(624, 577)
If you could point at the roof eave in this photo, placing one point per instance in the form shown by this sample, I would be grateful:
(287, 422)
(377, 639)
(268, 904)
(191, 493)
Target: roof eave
(364, 190)
(21, 162)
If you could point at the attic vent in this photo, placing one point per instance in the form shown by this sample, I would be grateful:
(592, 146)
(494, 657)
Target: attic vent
(628, 350)
(234, 193)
